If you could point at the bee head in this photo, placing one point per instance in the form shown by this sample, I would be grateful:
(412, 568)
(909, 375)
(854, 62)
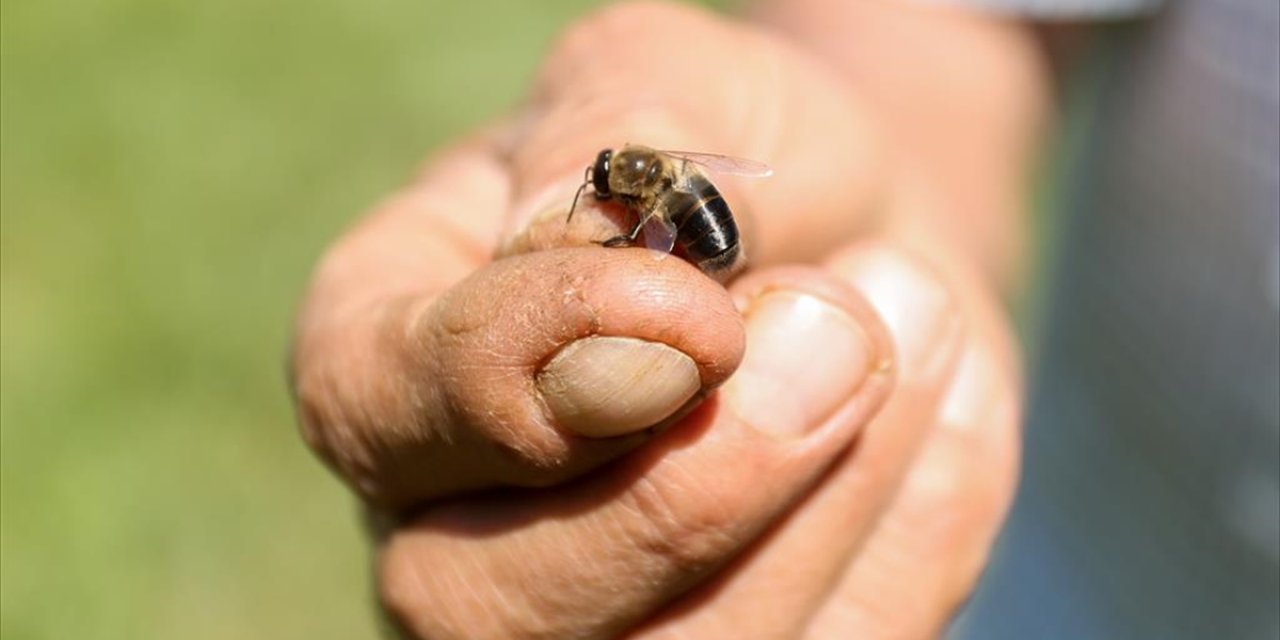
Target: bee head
(635, 170)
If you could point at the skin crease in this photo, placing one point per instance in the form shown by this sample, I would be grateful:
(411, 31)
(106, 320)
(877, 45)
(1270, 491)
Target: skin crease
(417, 354)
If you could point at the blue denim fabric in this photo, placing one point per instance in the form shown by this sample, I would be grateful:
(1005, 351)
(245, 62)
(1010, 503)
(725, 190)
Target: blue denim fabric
(1150, 503)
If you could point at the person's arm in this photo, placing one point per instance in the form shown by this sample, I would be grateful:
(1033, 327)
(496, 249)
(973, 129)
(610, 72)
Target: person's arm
(574, 441)
(964, 95)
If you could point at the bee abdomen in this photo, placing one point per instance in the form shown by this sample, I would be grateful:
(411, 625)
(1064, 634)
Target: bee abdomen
(706, 230)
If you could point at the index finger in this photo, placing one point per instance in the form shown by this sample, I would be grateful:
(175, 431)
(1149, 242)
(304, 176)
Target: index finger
(669, 76)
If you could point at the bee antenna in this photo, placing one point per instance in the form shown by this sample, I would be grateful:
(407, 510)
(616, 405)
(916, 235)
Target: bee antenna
(586, 180)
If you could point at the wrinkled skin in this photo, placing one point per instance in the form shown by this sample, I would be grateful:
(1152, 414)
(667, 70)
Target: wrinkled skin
(836, 433)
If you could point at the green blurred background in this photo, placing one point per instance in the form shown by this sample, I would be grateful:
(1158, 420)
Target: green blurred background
(170, 171)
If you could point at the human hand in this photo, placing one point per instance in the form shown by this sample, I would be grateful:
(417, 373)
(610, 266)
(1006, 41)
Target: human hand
(825, 449)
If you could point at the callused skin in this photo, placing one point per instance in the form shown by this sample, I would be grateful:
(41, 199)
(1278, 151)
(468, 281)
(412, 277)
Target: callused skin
(475, 400)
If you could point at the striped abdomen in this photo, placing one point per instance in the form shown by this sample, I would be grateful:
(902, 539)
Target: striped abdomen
(705, 228)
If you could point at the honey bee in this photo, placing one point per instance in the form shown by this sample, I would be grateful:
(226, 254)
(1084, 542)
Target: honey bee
(673, 202)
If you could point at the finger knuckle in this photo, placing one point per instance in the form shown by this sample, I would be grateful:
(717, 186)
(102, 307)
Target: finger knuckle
(401, 591)
(622, 31)
(628, 17)
(314, 413)
(427, 597)
(682, 523)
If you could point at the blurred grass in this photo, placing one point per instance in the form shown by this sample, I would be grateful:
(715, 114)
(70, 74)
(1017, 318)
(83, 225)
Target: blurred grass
(169, 173)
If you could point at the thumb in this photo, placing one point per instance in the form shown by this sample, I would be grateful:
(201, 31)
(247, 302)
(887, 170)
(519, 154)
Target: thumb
(531, 371)
(598, 555)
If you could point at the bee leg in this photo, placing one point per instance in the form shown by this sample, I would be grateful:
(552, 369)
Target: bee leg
(629, 238)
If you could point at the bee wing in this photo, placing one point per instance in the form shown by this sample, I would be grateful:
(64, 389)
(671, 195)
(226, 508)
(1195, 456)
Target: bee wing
(659, 234)
(727, 165)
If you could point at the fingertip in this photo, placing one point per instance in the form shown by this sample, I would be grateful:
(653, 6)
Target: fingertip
(659, 297)
(817, 353)
(538, 349)
(981, 416)
(601, 387)
(915, 301)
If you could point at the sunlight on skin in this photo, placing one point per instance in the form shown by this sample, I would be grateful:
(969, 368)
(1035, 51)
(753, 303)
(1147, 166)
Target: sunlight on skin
(678, 537)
